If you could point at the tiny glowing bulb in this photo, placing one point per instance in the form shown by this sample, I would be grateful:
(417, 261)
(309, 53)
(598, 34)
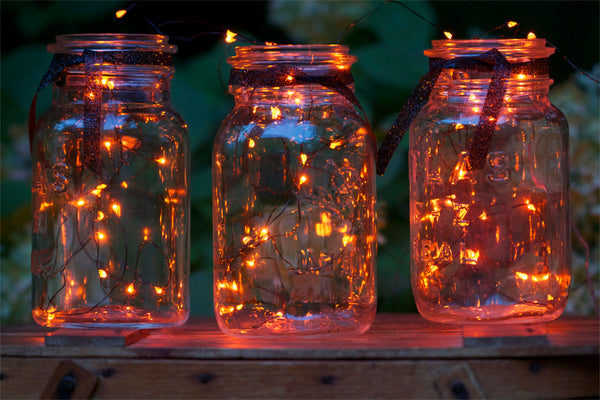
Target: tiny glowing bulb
(101, 235)
(289, 78)
(336, 143)
(124, 185)
(275, 112)
(251, 143)
(110, 85)
(250, 263)
(80, 202)
(531, 35)
(107, 144)
(303, 158)
(522, 275)
(100, 216)
(303, 179)
(459, 126)
(448, 35)
(264, 231)
(120, 13)
(102, 273)
(158, 290)
(511, 24)
(130, 289)
(116, 209)
(162, 160)
(230, 36)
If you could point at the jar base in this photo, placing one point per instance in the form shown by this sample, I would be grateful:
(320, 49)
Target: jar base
(249, 324)
(111, 317)
(491, 314)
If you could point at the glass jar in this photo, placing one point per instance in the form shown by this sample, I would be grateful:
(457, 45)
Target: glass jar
(293, 197)
(490, 227)
(110, 188)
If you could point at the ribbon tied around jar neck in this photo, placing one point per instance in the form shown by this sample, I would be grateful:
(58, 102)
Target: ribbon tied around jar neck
(492, 61)
(93, 62)
(283, 75)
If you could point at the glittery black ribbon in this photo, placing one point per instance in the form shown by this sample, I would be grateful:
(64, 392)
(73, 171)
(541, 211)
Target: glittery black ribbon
(491, 61)
(93, 62)
(284, 75)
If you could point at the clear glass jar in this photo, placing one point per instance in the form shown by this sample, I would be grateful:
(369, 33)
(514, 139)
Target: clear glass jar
(490, 237)
(293, 198)
(111, 204)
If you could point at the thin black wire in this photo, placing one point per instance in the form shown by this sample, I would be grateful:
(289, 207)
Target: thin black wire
(377, 8)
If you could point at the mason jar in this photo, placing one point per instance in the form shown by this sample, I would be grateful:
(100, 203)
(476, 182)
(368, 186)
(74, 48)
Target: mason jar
(110, 188)
(490, 228)
(294, 197)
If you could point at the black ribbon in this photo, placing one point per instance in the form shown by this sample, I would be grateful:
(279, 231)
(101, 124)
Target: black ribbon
(284, 75)
(92, 61)
(491, 61)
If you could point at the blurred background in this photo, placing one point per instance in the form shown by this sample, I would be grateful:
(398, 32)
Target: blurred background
(389, 44)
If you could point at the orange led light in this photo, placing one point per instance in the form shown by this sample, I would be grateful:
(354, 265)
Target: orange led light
(448, 35)
(116, 209)
(512, 24)
(158, 290)
(303, 179)
(102, 273)
(275, 112)
(303, 158)
(120, 13)
(531, 35)
(100, 235)
(130, 289)
(162, 160)
(230, 36)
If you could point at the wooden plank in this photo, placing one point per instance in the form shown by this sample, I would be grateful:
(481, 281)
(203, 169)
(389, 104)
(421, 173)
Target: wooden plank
(402, 336)
(552, 377)
(95, 337)
(505, 335)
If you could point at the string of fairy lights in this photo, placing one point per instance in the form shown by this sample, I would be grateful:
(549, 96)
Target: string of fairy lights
(345, 190)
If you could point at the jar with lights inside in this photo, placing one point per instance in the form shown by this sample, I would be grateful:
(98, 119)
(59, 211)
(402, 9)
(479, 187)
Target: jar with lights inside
(489, 196)
(294, 197)
(110, 187)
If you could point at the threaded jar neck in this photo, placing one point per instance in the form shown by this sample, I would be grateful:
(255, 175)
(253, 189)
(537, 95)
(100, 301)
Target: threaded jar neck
(305, 57)
(77, 43)
(515, 50)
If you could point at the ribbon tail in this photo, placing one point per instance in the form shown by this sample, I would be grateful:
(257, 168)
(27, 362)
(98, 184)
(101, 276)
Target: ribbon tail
(92, 107)
(479, 146)
(407, 114)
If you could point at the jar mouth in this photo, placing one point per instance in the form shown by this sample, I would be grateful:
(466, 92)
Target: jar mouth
(77, 43)
(515, 50)
(262, 56)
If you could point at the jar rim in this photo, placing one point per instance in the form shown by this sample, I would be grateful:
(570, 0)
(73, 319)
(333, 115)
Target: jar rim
(301, 54)
(77, 43)
(515, 50)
